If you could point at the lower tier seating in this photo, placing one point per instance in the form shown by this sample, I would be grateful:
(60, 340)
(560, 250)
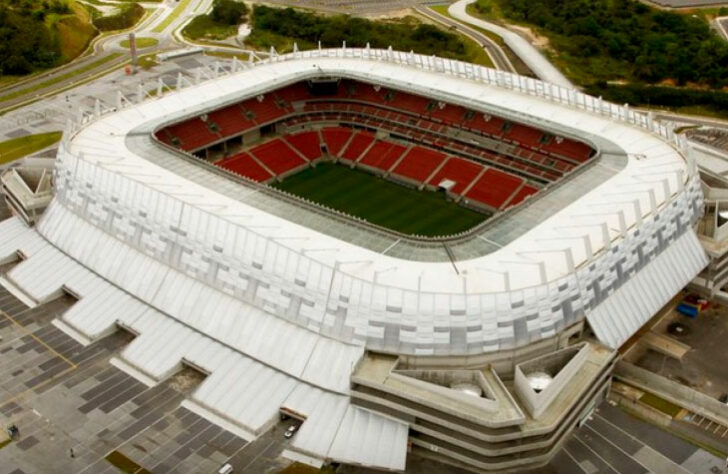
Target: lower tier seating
(277, 156)
(461, 171)
(382, 155)
(335, 138)
(419, 163)
(245, 165)
(307, 143)
(494, 188)
(358, 144)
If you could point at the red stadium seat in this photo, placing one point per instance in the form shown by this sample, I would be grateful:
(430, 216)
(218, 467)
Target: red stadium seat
(265, 111)
(277, 156)
(244, 165)
(383, 155)
(524, 135)
(357, 145)
(419, 163)
(494, 187)
(231, 120)
(571, 149)
(307, 143)
(522, 194)
(335, 138)
(193, 134)
(463, 172)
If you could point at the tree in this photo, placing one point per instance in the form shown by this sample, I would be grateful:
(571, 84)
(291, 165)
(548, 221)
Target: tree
(228, 12)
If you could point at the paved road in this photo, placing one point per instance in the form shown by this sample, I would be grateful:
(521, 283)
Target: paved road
(525, 50)
(103, 47)
(496, 53)
(616, 443)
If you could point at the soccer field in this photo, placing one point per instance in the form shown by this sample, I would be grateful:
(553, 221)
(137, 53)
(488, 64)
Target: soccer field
(380, 201)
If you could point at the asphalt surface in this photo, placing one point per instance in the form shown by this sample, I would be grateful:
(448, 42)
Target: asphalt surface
(530, 55)
(102, 47)
(496, 53)
(74, 409)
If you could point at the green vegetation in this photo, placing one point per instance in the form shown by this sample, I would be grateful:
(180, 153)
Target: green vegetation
(629, 52)
(299, 468)
(19, 147)
(124, 464)
(520, 66)
(5, 442)
(62, 77)
(623, 39)
(147, 62)
(141, 43)
(126, 17)
(181, 6)
(380, 201)
(660, 404)
(37, 34)
(222, 22)
(282, 27)
(703, 102)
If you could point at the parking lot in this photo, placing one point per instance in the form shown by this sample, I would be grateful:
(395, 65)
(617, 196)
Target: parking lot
(74, 409)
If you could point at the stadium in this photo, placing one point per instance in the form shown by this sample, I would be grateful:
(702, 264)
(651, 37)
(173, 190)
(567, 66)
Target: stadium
(405, 253)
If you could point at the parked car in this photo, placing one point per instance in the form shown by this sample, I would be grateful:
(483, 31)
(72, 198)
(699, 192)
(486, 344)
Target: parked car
(290, 431)
(225, 469)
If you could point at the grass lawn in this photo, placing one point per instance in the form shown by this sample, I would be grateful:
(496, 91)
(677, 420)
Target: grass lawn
(660, 404)
(380, 201)
(140, 43)
(203, 26)
(62, 77)
(19, 147)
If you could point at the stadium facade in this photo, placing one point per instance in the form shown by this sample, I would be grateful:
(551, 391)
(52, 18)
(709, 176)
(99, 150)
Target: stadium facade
(381, 343)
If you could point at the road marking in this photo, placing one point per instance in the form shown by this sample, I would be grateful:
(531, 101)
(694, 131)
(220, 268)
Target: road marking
(616, 446)
(71, 365)
(574, 459)
(596, 454)
(270, 443)
(634, 438)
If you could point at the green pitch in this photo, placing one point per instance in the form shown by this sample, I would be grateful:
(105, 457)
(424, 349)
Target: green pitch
(380, 201)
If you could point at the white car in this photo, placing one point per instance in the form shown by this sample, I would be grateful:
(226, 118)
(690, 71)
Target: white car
(291, 431)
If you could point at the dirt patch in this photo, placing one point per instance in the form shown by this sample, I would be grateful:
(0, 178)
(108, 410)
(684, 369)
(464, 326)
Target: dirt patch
(532, 36)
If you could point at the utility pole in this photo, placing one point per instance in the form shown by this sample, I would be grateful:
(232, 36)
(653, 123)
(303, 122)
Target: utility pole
(132, 49)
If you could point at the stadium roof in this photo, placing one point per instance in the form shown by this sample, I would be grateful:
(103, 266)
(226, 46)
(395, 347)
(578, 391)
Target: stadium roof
(279, 313)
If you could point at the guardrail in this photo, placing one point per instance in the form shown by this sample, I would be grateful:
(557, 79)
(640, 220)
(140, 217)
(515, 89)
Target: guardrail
(525, 85)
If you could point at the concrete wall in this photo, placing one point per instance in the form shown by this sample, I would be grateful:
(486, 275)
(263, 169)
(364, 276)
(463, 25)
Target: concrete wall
(537, 403)
(674, 392)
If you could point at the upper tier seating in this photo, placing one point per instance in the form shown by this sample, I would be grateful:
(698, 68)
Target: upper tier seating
(230, 120)
(494, 187)
(264, 111)
(294, 93)
(524, 135)
(576, 151)
(192, 134)
(245, 165)
(277, 156)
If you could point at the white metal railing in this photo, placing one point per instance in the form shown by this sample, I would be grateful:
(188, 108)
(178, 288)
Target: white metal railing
(526, 85)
